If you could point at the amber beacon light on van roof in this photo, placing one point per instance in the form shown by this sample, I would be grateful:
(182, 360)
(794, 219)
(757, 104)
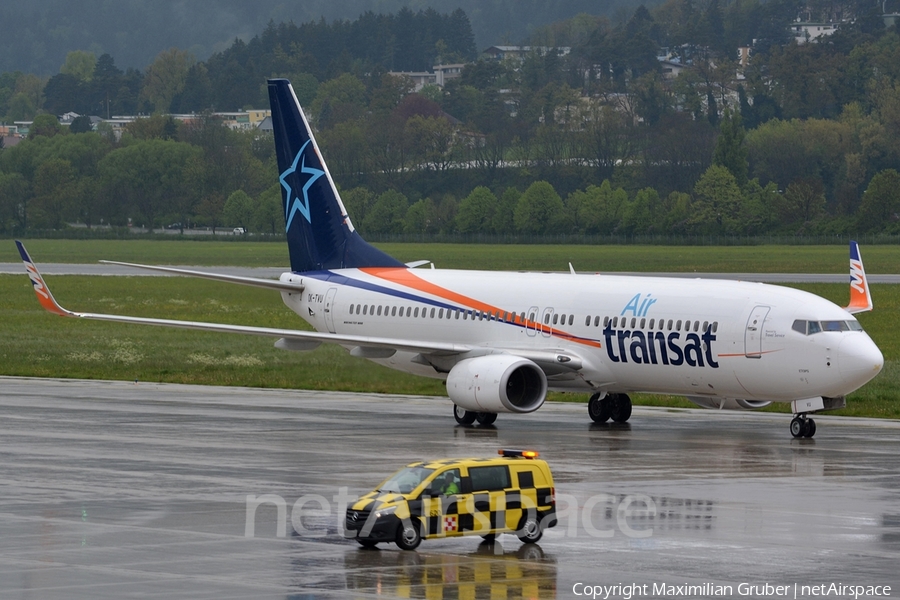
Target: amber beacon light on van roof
(520, 453)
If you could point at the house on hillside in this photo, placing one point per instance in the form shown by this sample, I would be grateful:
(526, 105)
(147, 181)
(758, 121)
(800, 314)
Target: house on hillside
(243, 119)
(501, 53)
(804, 32)
(439, 76)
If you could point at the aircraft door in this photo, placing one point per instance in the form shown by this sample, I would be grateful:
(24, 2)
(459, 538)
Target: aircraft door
(531, 321)
(755, 331)
(546, 322)
(329, 309)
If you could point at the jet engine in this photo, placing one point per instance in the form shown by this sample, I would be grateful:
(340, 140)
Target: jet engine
(497, 383)
(728, 403)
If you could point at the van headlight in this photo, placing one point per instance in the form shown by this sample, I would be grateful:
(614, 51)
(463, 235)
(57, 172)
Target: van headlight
(383, 512)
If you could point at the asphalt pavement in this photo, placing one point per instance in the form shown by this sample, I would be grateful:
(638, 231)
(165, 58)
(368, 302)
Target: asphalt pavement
(117, 489)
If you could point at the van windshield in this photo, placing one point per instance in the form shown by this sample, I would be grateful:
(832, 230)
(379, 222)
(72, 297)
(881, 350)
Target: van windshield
(405, 480)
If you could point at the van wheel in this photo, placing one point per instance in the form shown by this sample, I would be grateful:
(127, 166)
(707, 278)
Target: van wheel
(409, 534)
(530, 530)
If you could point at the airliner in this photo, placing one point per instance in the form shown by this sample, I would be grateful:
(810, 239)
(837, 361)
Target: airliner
(502, 340)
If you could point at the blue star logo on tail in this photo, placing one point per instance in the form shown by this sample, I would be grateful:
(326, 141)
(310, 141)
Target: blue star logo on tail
(294, 204)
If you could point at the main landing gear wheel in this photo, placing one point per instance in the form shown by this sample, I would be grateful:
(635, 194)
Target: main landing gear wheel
(486, 418)
(600, 408)
(801, 426)
(463, 416)
(621, 408)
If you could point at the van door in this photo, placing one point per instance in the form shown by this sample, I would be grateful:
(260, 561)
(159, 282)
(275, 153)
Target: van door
(490, 486)
(442, 509)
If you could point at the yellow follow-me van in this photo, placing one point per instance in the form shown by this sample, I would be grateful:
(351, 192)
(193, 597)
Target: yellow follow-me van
(512, 493)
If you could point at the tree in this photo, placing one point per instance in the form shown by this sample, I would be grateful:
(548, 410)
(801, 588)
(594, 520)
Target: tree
(160, 127)
(147, 175)
(476, 211)
(640, 215)
(54, 184)
(166, 78)
(880, 208)
(540, 209)
(386, 215)
(106, 83)
(421, 217)
(599, 209)
(14, 199)
(432, 141)
(357, 201)
(731, 152)
(717, 202)
(81, 124)
(269, 215)
(502, 222)
(804, 200)
(79, 64)
(45, 126)
(239, 210)
(338, 100)
(63, 93)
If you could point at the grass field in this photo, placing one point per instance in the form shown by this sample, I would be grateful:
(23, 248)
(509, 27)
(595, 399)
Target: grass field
(35, 343)
(702, 259)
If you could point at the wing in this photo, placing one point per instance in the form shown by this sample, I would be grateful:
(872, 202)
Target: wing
(49, 303)
(441, 355)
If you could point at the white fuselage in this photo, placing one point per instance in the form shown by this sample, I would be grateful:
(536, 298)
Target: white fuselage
(700, 338)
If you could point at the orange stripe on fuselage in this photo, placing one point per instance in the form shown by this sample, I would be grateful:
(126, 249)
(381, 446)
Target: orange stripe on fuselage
(407, 278)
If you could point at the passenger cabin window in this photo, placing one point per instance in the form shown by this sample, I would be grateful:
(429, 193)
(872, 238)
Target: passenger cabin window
(489, 478)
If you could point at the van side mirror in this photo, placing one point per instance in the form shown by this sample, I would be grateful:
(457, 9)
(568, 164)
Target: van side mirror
(428, 492)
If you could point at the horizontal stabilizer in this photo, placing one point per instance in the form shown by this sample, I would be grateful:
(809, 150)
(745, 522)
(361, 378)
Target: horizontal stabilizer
(272, 284)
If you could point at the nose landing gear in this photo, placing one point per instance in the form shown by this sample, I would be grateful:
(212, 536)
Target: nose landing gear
(802, 426)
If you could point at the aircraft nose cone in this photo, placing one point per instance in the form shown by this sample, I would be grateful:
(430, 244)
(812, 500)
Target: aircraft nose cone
(859, 359)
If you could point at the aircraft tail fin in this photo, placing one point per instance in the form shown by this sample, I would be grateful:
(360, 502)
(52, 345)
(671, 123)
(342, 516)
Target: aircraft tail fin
(319, 232)
(860, 298)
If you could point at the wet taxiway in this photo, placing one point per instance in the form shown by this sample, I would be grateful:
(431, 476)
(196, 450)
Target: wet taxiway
(111, 490)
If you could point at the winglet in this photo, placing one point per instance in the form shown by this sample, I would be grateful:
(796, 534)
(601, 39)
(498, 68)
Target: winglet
(860, 298)
(40, 288)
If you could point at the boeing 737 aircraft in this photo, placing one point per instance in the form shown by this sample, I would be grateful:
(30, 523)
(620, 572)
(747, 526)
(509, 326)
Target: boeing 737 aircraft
(501, 340)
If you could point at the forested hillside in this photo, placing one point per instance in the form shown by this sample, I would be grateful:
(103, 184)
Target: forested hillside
(36, 35)
(803, 139)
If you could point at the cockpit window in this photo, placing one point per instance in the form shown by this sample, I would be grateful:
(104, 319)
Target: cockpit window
(811, 327)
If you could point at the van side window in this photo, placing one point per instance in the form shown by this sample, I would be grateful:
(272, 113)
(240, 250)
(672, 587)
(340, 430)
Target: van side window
(526, 479)
(489, 478)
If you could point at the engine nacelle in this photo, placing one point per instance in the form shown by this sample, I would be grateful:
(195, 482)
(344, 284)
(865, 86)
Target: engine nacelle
(728, 403)
(497, 383)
